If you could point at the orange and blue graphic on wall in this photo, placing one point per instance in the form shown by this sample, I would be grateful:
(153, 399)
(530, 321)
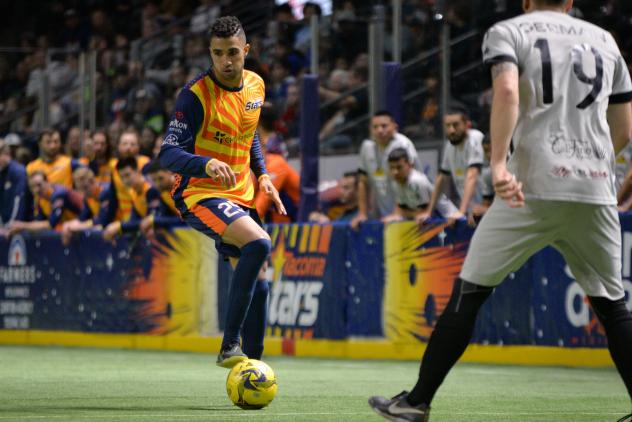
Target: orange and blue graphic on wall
(301, 281)
(419, 274)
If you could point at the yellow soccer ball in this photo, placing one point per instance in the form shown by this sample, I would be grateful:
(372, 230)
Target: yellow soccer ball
(251, 384)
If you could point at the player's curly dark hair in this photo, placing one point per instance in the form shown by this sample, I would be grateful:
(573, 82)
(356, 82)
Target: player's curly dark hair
(226, 27)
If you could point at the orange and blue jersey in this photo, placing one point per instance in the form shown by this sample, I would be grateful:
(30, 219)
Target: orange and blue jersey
(92, 204)
(214, 121)
(58, 172)
(102, 170)
(109, 206)
(58, 206)
(287, 181)
(151, 202)
(124, 199)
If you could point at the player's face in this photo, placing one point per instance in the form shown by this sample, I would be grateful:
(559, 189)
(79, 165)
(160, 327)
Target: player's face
(400, 170)
(51, 144)
(455, 128)
(162, 180)
(128, 145)
(84, 182)
(129, 176)
(228, 55)
(383, 129)
(99, 144)
(348, 193)
(37, 184)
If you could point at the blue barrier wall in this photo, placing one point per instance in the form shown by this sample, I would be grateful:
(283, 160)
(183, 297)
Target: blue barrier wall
(327, 282)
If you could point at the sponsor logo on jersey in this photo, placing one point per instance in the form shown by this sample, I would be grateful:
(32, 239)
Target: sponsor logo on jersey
(179, 115)
(176, 124)
(170, 139)
(254, 104)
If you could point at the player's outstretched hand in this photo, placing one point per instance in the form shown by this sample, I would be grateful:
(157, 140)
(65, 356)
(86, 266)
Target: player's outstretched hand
(422, 217)
(266, 186)
(219, 171)
(507, 187)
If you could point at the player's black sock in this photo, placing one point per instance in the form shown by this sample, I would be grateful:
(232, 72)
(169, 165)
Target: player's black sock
(449, 339)
(253, 255)
(254, 329)
(617, 321)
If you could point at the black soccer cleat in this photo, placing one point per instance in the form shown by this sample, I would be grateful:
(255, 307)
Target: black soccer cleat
(397, 409)
(230, 356)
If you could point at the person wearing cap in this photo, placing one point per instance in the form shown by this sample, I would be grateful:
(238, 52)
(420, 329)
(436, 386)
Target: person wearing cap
(12, 188)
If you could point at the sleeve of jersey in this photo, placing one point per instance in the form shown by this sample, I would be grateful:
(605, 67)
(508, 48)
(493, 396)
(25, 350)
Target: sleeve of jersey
(475, 156)
(107, 207)
(177, 150)
(621, 85)
(57, 208)
(19, 203)
(499, 45)
(85, 213)
(257, 162)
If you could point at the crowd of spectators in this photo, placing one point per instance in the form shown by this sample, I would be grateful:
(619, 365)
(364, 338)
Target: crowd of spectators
(147, 50)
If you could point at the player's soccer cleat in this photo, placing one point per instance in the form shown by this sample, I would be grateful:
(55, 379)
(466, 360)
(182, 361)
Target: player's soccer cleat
(397, 409)
(230, 356)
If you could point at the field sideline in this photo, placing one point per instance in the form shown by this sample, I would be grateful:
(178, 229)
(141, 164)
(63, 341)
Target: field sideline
(54, 383)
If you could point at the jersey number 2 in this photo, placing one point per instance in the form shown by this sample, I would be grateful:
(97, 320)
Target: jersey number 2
(230, 209)
(596, 82)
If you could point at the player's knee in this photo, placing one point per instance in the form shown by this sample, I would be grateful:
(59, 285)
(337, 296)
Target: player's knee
(467, 298)
(259, 248)
(610, 312)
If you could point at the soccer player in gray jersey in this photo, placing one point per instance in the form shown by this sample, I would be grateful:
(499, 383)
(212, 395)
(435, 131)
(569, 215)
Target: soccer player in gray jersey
(375, 198)
(563, 91)
(461, 162)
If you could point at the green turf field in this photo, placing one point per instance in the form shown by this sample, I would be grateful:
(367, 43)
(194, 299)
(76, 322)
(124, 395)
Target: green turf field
(89, 384)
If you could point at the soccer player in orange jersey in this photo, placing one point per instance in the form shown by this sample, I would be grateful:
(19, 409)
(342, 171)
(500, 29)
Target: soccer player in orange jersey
(212, 146)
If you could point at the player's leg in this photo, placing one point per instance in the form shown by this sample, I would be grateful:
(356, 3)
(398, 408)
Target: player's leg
(236, 234)
(254, 330)
(254, 245)
(594, 257)
(503, 241)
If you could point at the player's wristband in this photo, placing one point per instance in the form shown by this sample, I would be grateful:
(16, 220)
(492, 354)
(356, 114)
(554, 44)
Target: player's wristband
(262, 176)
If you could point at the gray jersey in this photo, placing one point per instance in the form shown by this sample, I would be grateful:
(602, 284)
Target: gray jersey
(458, 158)
(487, 185)
(570, 70)
(415, 193)
(374, 163)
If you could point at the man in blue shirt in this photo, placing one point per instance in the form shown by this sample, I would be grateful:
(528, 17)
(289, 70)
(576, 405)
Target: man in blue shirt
(13, 187)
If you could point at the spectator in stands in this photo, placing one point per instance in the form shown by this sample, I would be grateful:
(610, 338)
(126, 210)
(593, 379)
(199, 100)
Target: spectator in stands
(100, 161)
(137, 188)
(338, 203)
(57, 167)
(204, 16)
(73, 142)
(375, 199)
(128, 147)
(148, 141)
(95, 196)
(487, 188)
(13, 185)
(411, 188)
(54, 205)
(162, 211)
(462, 159)
(147, 113)
(302, 37)
(284, 178)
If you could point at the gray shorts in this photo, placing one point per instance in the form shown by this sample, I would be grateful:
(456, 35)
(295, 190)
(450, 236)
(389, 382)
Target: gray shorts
(587, 235)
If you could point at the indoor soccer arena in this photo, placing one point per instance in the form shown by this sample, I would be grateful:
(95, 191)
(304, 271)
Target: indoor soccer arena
(323, 210)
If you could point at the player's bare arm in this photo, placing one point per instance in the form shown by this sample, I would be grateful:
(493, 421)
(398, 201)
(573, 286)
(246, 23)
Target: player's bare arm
(266, 186)
(503, 123)
(620, 121)
(471, 178)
